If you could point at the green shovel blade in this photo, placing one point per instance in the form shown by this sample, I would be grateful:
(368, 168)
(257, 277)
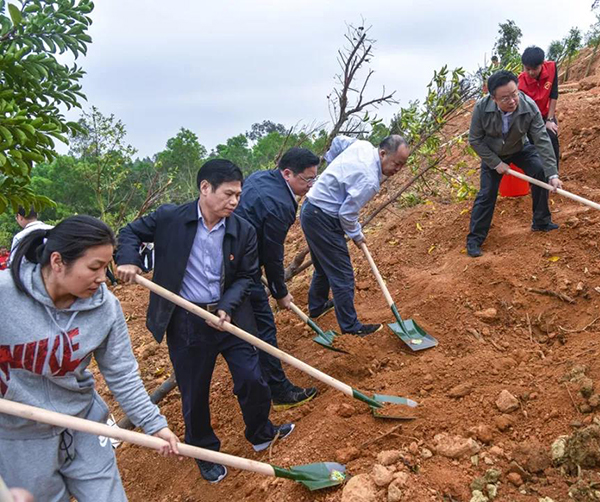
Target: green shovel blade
(411, 333)
(315, 476)
(386, 399)
(326, 338)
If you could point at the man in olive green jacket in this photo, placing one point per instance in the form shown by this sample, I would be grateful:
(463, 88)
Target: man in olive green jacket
(500, 125)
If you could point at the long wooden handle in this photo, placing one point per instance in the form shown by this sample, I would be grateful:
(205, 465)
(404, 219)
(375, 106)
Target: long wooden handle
(240, 333)
(298, 312)
(293, 306)
(377, 275)
(559, 191)
(89, 426)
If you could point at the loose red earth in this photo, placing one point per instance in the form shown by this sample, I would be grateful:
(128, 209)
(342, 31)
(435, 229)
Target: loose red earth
(494, 333)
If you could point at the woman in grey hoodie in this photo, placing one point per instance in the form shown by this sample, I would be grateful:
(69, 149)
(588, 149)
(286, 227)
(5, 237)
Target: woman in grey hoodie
(57, 314)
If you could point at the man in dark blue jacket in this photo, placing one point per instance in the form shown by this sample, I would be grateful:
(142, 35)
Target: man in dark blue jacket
(268, 202)
(208, 255)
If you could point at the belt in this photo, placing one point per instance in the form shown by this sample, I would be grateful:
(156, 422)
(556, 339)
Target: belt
(211, 307)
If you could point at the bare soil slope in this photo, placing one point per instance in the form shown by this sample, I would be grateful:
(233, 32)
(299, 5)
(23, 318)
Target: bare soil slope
(498, 330)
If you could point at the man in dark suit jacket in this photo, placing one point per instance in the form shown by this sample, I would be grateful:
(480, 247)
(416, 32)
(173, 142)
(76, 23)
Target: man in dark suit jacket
(208, 255)
(268, 202)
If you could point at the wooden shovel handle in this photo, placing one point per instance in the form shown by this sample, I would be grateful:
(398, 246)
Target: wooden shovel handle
(294, 308)
(377, 275)
(559, 191)
(5, 495)
(91, 427)
(240, 333)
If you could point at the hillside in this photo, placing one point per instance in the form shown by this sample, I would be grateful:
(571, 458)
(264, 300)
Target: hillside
(497, 330)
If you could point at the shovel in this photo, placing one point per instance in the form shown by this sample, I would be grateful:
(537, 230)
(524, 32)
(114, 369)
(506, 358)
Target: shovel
(378, 401)
(559, 191)
(408, 331)
(324, 338)
(313, 476)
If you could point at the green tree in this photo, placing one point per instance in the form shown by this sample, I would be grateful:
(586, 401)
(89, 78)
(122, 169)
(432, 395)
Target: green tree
(261, 129)
(555, 51)
(592, 39)
(507, 43)
(102, 148)
(182, 158)
(572, 44)
(34, 87)
(236, 150)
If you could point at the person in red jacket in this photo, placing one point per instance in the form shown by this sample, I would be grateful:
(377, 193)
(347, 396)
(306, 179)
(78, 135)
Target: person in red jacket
(540, 82)
(4, 255)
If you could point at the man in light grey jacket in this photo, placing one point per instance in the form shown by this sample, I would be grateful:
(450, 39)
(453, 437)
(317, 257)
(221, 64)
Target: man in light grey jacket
(500, 125)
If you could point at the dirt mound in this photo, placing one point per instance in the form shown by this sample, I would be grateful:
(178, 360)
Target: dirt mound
(517, 319)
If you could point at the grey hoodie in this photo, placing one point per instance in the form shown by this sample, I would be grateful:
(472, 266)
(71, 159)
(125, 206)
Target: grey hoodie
(45, 352)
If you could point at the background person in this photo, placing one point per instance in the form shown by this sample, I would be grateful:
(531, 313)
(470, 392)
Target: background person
(331, 211)
(268, 202)
(500, 125)
(28, 221)
(540, 82)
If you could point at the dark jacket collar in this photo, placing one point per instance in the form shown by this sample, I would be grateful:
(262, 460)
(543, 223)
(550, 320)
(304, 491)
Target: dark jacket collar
(288, 189)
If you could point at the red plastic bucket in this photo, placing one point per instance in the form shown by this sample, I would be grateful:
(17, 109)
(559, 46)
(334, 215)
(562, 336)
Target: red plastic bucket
(510, 186)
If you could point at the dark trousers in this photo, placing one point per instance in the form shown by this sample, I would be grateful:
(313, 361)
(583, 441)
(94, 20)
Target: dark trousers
(333, 268)
(267, 332)
(555, 146)
(485, 202)
(193, 348)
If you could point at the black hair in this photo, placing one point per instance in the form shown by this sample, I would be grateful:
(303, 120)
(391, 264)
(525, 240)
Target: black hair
(532, 57)
(72, 237)
(392, 142)
(297, 160)
(494, 59)
(499, 79)
(27, 215)
(219, 171)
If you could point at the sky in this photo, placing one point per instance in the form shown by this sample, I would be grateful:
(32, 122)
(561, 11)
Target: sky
(218, 67)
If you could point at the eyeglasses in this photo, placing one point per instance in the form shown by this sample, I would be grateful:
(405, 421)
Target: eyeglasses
(308, 181)
(512, 97)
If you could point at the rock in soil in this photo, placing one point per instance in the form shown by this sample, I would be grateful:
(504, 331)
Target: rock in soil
(394, 493)
(478, 496)
(360, 488)
(506, 402)
(514, 479)
(490, 314)
(482, 433)
(345, 455)
(389, 457)
(533, 457)
(381, 475)
(346, 410)
(460, 390)
(503, 422)
(455, 446)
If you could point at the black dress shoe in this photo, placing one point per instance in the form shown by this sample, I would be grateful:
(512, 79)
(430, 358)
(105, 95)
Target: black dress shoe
(474, 251)
(546, 228)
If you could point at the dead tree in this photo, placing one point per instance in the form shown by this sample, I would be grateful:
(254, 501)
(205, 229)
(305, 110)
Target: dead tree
(348, 98)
